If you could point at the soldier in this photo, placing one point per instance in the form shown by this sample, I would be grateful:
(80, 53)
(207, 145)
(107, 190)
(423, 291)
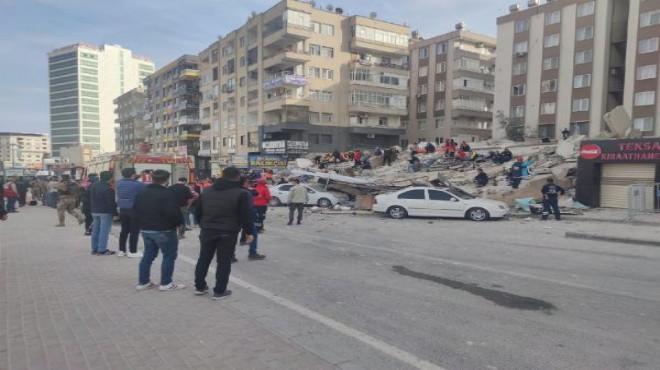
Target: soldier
(68, 192)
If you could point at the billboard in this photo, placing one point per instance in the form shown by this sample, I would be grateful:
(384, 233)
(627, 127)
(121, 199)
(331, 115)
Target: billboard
(266, 161)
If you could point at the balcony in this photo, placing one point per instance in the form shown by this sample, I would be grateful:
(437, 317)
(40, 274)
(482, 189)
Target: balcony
(374, 80)
(288, 80)
(287, 58)
(486, 89)
(287, 34)
(187, 121)
(389, 67)
(375, 108)
(189, 73)
(358, 43)
(471, 109)
(276, 102)
(187, 136)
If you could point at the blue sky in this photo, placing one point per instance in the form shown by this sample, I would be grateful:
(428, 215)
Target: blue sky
(165, 29)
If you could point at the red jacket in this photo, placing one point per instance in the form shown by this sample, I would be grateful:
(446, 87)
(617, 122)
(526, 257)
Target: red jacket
(264, 197)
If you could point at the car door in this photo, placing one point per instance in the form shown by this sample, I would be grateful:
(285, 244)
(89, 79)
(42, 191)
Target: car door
(282, 193)
(444, 204)
(312, 195)
(414, 201)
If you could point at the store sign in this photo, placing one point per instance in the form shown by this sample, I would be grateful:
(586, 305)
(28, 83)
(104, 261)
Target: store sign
(267, 161)
(274, 147)
(297, 147)
(628, 150)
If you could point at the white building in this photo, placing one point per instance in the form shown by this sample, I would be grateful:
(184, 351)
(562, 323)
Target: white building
(18, 150)
(84, 81)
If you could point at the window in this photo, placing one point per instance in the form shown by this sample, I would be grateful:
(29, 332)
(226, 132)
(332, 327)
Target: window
(647, 72)
(422, 89)
(314, 72)
(315, 49)
(313, 138)
(327, 29)
(552, 17)
(314, 117)
(520, 47)
(546, 131)
(413, 194)
(584, 33)
(580, 81)
(551, 40)
(326, 117)
(389, 80)
(421, 106)
(522, 26)
(423, 71)
(326, 139)
(327, 74)
(439, 122)
(383, 121)
(581, 105)
(648, 45)
(518, 90)
(324, 96)
(584, 56)
(520, 68)
(643, 124)
(441, 48)
(548, 108)
(439, 104)
(585, 9)
(579, 128)
(518, 111)
(644, 98)
(440, 86)
(441, 67)
(421, 124)
(549, 86)
(440, 195)
(327, 52)
(423, 53)
(241, 41)
(649, 18)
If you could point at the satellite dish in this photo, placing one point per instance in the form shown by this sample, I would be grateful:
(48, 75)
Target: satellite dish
(373, 15)
(415, 34)
(330, 7)
(339, 10)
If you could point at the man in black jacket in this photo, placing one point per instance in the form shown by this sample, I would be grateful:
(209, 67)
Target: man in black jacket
(223, 211)
(22, 188)
(104, 209)
(183, 194)
(158, 214)
(3, 211)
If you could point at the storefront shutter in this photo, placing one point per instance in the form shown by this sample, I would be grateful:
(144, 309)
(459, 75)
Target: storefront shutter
(618, 177)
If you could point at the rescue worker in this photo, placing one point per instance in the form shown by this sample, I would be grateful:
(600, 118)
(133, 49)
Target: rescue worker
(261, 203)
(67, 191)
(481, 179)
(516, 173)
(551, 193)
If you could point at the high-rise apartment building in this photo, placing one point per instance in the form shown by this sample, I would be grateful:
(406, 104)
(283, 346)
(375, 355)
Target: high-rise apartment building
(564, 64)
(23, 150)
(172, 107)
(303, 73)
(451, 87)
(132, 130)
(84, 81)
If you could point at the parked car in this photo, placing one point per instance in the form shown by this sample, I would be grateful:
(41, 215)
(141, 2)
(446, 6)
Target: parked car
(317, 195)
(438, 202)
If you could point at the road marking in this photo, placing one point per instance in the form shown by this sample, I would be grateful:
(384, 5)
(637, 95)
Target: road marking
(390, 350)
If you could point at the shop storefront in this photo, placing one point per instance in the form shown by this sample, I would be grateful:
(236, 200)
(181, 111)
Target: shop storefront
(606, 169)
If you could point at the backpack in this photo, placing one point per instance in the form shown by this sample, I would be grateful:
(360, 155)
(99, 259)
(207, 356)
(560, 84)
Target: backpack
(72, 188)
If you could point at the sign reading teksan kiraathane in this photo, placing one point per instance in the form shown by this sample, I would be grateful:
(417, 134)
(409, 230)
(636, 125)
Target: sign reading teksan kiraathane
(630, 150)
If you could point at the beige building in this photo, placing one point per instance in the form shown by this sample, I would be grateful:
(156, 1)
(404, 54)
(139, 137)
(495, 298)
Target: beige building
(564, 64)
(302, 73)
(172, 107)
(451, 87)
(18, 150)
(132, 130)
(84, 81)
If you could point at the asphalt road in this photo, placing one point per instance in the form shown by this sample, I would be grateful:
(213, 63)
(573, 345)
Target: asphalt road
(459, 294)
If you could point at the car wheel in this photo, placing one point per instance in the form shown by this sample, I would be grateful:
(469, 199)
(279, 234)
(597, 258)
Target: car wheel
(397, 212)
(477, 214)
(275, 202)
(324, 203)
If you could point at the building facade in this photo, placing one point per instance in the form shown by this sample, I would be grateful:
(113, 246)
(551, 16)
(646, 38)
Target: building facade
(132, 130)
(564, 64)
(451, 87)
(301, 73)
(84, 81)
(172, 107)
(19, 150)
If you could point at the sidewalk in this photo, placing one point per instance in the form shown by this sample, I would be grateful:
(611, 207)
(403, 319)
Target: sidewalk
(618, 216)
(63, 308)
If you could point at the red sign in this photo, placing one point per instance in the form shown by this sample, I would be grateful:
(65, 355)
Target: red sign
(590, 151)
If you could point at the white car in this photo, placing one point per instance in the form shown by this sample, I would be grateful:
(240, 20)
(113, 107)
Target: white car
(438, 202)
(317, 195)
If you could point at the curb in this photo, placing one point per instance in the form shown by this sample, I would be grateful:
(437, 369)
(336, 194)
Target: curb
(612, 239)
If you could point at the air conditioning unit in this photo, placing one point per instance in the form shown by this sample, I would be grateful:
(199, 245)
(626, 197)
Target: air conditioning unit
(532, 3)
(521, 54)
(514, 8)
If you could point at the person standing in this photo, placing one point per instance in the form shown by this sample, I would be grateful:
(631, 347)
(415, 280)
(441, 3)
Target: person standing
(550, 192)
(127, 189)
(261, 203)
(3, 211)
(223, 210)
(183, 195)
(565, 133)
(252, 252)
(67, 192)
(516, 173)
(22, 187)
(159, 215)
(104, 209)
(51, 195)
(11, 194)
(86, 203)
(298, 197)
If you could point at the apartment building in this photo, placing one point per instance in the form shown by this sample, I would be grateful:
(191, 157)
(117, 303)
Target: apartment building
(451, 87)
(172, 107)
(564, 64)
(20, 150)
(298, 72)
(84, 80)
(132, 130)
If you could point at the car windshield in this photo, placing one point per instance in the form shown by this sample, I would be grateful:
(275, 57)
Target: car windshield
(316, 187)
(461, 194)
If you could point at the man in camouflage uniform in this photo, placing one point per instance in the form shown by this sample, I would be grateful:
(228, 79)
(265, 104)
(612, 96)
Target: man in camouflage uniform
(68, 190)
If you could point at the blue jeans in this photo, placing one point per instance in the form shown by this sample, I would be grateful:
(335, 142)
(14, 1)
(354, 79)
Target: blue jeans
(168, 243)
(11, 204)
(253, 245)
(102, 223)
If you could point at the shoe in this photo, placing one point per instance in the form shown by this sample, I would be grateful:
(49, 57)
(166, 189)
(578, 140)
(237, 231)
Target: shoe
(134, 255)
(121, 254)
(95, 253)
(218, 296)
(233, 259)
(202, 292)
(88, 233)
(58, 225)
(80, 222)
(256, 257)
(107, 253)
(298, 223)
(290, 223)
(171, 286)
(146, 286)
(182, 236)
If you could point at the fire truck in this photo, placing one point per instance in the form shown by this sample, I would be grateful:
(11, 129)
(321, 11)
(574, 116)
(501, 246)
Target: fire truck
(144, 164)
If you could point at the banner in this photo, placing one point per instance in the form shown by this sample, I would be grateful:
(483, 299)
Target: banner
(266, 161)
